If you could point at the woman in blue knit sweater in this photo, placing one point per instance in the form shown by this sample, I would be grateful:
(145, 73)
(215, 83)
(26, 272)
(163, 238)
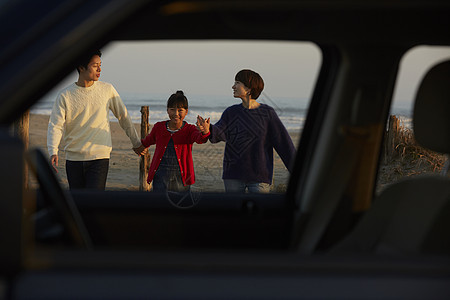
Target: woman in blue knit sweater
(251, 131)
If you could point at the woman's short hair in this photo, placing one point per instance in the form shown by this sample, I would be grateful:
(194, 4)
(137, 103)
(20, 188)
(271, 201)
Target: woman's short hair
(178, 100)
(252, 80)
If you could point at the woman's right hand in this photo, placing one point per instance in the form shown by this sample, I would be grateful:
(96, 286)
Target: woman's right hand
(203, 125)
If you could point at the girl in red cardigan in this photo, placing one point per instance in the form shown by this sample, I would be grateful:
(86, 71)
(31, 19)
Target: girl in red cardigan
(172, 167)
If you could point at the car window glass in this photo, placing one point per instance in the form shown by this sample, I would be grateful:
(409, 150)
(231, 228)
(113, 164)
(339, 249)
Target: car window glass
(402, 156)
(147, 73)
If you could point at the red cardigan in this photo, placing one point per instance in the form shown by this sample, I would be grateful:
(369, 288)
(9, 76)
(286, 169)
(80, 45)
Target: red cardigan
(183, 140)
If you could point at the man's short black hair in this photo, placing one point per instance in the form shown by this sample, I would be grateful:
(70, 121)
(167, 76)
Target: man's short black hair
(84, 61)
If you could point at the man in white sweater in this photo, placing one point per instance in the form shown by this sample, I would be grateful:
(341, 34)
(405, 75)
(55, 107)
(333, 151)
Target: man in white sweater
(80, 117)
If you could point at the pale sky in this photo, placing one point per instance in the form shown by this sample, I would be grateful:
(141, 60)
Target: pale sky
(413, 67)
(208, 68)
(289, 69)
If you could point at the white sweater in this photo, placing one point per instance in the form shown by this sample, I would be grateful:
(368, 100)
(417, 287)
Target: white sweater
(81, 115)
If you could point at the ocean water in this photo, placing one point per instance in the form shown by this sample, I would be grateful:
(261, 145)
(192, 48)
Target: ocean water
(292, 112)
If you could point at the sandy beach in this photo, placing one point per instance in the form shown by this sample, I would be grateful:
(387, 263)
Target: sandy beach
(124, 164)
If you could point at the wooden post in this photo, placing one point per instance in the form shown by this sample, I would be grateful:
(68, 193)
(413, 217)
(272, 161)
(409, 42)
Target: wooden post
(21, 130)
(144, 163)
(391, 137)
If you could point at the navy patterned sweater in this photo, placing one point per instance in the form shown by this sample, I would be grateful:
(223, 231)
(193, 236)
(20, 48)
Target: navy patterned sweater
(250, 136)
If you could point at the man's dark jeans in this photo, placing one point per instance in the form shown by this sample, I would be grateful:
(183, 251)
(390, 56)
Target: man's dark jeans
(89, 174)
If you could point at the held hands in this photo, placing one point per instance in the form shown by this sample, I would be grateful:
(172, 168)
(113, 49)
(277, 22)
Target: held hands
(141, 150)
(203, 125)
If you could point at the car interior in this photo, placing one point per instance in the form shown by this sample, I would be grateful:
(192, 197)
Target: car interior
(329, 236)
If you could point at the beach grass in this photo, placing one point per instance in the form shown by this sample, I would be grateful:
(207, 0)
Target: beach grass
(407, 159)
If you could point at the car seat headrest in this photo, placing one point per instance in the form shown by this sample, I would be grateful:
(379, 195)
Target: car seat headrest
(431, 119)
